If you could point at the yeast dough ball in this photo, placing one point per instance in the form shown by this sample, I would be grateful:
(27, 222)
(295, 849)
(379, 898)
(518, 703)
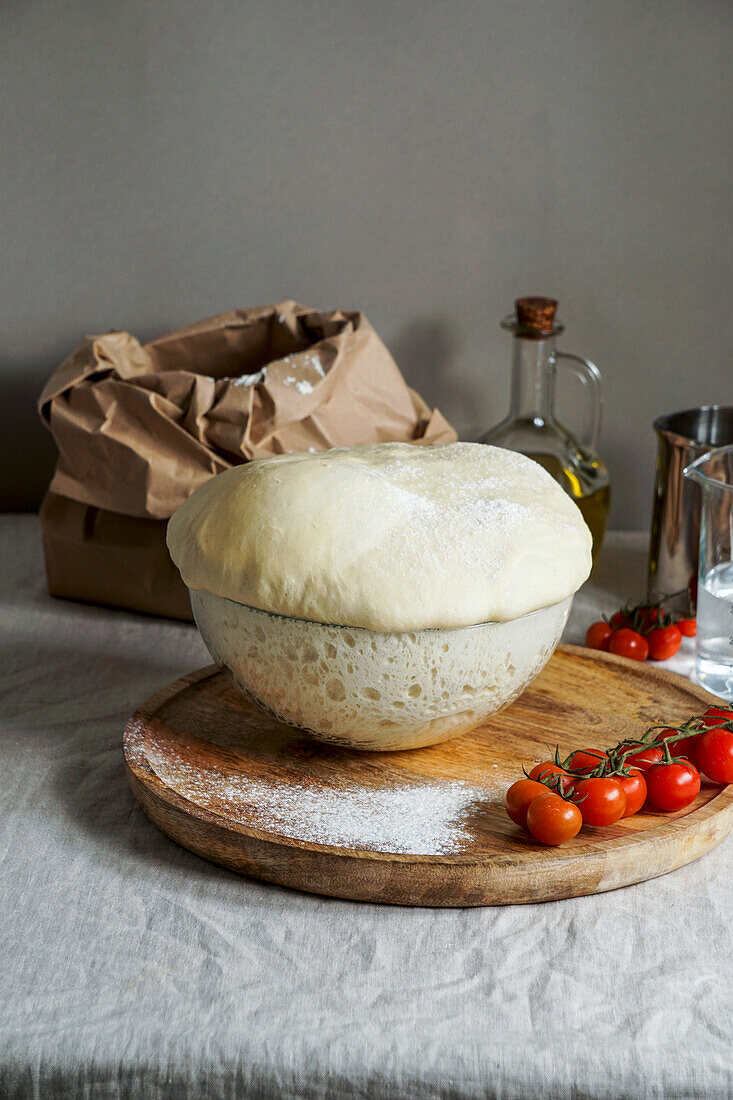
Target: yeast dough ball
(393, 537)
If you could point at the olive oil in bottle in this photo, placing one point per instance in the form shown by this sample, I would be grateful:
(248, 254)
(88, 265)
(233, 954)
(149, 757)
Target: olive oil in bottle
(531, 426)
(587, 483)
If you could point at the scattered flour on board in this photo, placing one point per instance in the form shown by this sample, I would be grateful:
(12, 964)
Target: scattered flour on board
(428, 818)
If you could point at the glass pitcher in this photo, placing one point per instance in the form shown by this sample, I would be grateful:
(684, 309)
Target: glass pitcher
(531, 426)
(714, 645)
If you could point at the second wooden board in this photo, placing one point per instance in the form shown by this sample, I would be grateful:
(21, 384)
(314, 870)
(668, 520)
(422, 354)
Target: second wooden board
(425, 827)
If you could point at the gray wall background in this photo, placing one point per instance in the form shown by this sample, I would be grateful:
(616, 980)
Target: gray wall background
(426, 162)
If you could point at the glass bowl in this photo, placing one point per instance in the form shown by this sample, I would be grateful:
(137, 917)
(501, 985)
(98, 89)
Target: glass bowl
(364, 689)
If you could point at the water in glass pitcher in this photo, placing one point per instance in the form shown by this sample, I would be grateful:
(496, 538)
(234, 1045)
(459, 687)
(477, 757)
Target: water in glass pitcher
(715, 630)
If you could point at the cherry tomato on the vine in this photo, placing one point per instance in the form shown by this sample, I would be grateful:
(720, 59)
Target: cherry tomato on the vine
(713, 715)
(598, 635)
(553, 820)
(687, 627)
(672, 786)
(518, 799)
(715, 755)
(648, 616)
(629, 643)
(601, 801)
(664, 641)
(669, 731)
(548, 768)
(634, 787)
(642, 756)
(619, 619)
(686, 746)
(586, 759)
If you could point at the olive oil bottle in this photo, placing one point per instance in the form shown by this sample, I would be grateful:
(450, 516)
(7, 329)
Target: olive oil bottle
(531, 426)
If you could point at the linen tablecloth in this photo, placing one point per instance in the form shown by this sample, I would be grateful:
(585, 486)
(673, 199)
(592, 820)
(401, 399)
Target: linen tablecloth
(131, 968)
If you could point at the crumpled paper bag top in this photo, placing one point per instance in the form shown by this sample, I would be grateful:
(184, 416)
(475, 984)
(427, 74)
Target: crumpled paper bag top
(139, 427)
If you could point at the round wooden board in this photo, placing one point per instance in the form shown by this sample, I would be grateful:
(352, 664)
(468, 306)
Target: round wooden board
(424, 827)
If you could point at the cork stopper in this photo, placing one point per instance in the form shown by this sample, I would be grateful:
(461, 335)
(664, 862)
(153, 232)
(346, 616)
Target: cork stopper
(535, 317)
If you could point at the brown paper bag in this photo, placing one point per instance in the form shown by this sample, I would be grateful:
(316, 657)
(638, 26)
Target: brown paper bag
(139, 427)
(105, 557)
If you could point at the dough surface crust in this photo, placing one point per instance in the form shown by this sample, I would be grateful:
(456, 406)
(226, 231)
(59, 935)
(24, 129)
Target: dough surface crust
(392, 537)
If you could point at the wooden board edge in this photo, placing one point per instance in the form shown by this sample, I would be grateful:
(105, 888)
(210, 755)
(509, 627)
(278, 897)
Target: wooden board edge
(409, 881)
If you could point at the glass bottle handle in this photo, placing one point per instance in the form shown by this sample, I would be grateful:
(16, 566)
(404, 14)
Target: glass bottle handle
(590, 376)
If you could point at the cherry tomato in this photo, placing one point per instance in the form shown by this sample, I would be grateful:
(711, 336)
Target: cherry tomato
(598, 635)
(553, 820)
(715, 755)
(518, 798)
(634, 787)
(642, 756)
(687, 627)
(587, 759)
(717, 714)
(686, 746)
(648, 616)
(664, 641)
(549, 767)
(601, 801)
(672, 786)
(629, 643)
(619, 619)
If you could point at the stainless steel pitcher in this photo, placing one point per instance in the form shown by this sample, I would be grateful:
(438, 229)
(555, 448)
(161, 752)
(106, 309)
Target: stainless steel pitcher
(673, 547)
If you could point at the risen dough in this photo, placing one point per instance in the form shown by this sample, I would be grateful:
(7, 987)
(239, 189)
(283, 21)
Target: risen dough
(391, 537)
